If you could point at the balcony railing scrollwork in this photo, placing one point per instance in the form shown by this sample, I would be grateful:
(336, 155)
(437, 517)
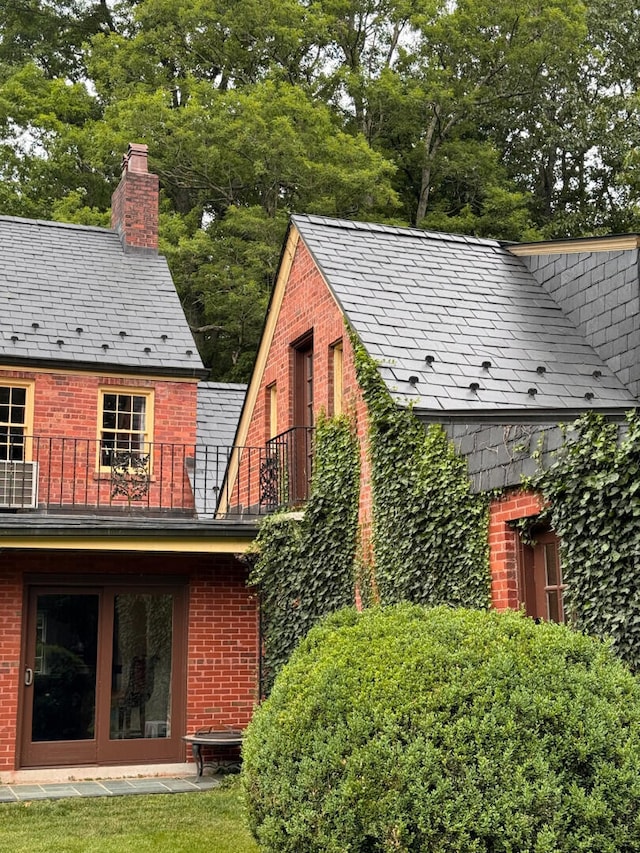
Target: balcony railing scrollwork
(130, 474)
(285, 474)
(76, 475)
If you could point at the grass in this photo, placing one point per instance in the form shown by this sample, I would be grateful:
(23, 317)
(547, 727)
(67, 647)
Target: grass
(208, 822)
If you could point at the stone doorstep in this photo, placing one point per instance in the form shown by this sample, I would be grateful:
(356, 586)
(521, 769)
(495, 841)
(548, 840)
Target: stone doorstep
(105, 788)
(58, 775)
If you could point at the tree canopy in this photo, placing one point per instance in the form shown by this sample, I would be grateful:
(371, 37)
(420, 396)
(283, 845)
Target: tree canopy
(507, 118)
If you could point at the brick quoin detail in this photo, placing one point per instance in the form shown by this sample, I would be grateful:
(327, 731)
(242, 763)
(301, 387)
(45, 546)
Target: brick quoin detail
(221, 669)
(504, 544)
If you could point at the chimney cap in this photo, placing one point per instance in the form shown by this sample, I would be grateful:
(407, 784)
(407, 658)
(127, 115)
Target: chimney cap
(135, 160)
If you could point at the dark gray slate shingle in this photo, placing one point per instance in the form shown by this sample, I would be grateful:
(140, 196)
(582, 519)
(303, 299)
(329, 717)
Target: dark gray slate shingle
(219, 408)
(465, 301)
(69, 293)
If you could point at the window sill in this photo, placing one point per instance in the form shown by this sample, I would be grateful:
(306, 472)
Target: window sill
(107, 476)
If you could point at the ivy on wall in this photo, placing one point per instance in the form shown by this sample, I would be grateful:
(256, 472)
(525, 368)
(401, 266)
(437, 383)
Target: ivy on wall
(430, 531)
(430, 542)
(305, 562)
(593, 490)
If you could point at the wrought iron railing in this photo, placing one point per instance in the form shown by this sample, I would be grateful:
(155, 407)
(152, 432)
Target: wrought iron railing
(70, 474)
(285, 476)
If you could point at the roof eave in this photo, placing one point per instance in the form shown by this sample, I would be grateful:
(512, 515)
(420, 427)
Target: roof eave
(131, 534)
(104, 367)
(518, 416)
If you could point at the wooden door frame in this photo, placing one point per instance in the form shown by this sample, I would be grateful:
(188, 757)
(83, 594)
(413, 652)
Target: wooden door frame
(532, 574)
(103, 750)
(50, 753)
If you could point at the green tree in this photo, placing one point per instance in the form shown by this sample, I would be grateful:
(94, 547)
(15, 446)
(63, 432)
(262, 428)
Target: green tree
(466, 66)
(508, 119)
(234, 164)
(569, 149)
(51, 33)
(45, 147)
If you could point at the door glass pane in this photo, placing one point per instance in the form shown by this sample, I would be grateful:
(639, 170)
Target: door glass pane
(64, 676)
(551, 563)
(141, 669)
(553, 606)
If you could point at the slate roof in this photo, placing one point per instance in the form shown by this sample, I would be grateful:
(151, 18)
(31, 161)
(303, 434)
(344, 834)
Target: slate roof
(219, 408)
(443, 312)
(69, 293)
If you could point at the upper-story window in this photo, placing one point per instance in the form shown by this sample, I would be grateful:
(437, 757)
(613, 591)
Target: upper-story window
(125, 427)
(15, 402)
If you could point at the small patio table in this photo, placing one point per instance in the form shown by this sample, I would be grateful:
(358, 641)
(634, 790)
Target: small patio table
(211, 737)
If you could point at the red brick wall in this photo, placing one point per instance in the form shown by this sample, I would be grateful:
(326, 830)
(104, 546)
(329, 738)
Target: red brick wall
(134, 209)
(67, 405)
(10, 638)
(308, 306)
(222, 641)
(504, 545)
(223, 646)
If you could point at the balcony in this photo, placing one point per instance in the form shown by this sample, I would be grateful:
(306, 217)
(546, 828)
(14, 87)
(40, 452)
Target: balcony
(81, 476)
(285, 474)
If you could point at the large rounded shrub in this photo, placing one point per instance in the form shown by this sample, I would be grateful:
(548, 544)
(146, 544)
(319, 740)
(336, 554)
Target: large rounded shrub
(408, 729)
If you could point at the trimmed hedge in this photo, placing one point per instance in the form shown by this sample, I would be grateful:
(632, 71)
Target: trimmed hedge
(414, 729)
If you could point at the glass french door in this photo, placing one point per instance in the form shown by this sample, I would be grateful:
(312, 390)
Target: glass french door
(102, 681)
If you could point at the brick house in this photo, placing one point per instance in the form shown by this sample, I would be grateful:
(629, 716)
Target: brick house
(125, 619)
(498, 343)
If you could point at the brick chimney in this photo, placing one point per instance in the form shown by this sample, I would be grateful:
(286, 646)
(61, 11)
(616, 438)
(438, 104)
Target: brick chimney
(134, 204)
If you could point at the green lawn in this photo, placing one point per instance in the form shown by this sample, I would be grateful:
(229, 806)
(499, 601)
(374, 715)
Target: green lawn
(210, 822)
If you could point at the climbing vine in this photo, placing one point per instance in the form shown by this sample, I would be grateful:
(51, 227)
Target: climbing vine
(305, 561)
(430, 537)
(593, 490)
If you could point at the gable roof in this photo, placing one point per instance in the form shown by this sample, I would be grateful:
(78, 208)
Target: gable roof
(69, 294)
(441, 311)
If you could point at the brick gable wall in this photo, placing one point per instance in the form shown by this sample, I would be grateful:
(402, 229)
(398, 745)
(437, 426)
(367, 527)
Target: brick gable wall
(308, 306)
